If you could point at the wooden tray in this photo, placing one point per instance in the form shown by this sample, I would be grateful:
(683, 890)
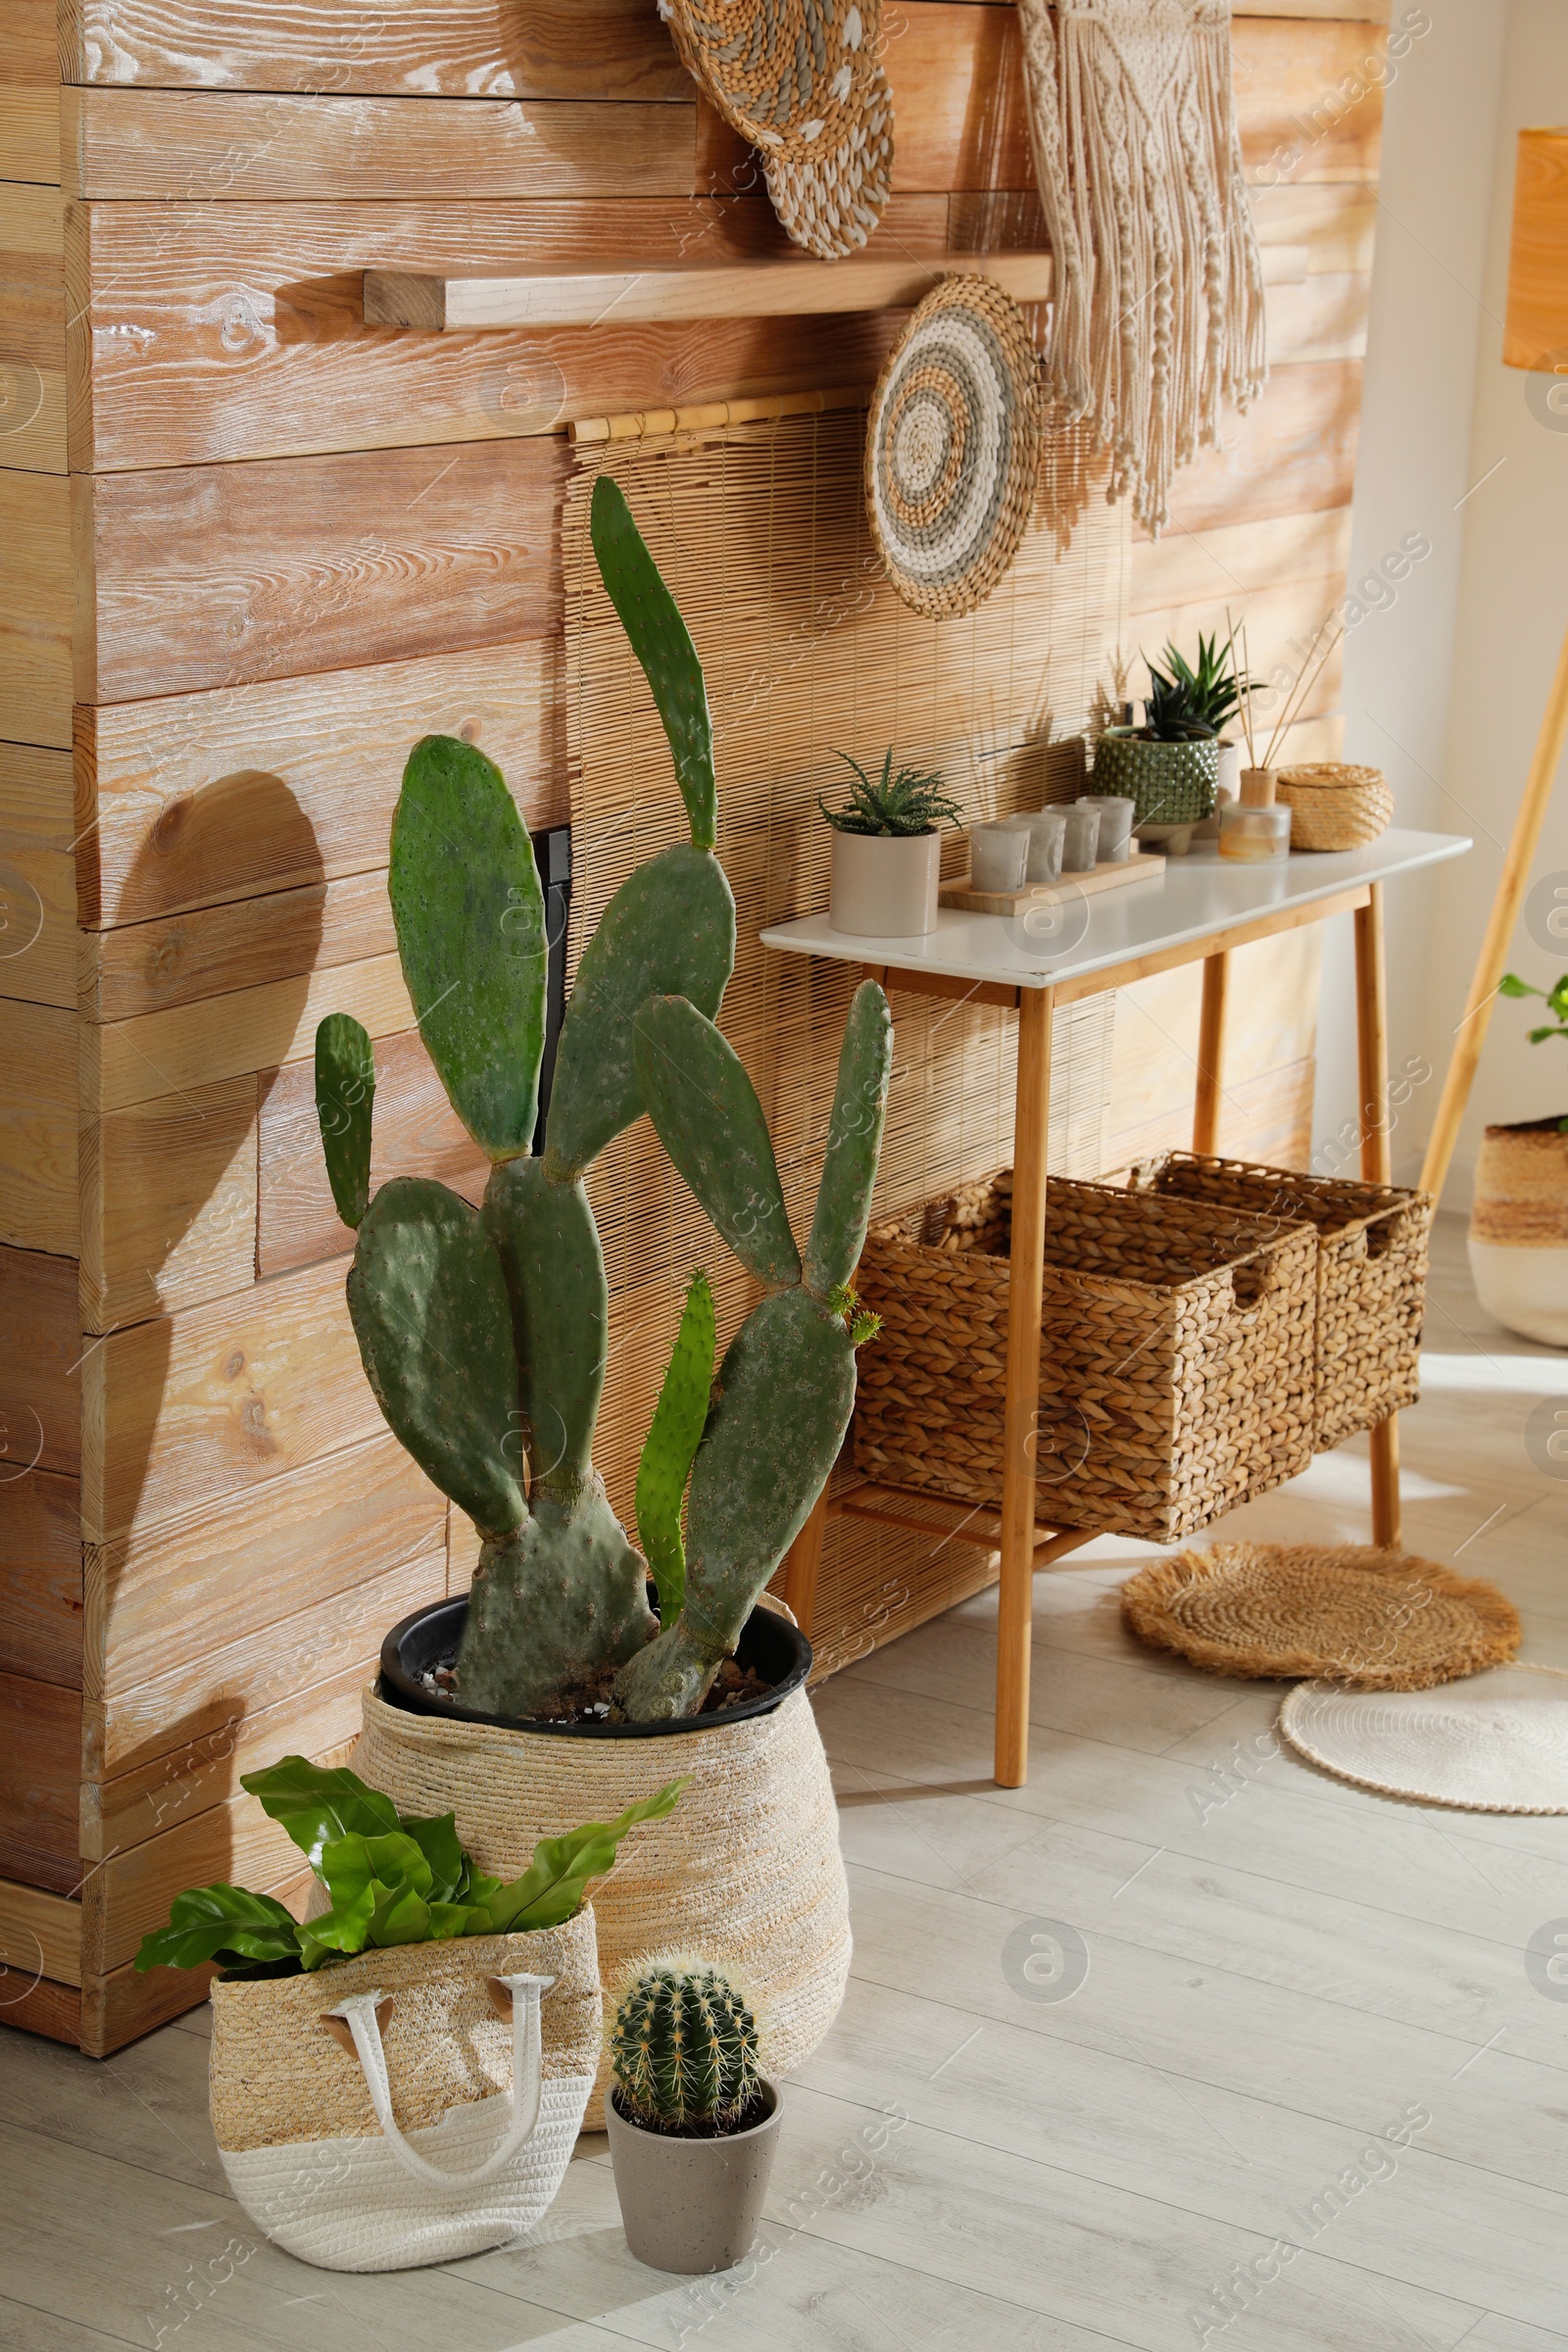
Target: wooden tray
(1141, 866)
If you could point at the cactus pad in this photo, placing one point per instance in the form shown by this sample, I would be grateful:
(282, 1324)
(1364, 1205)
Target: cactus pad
(683, 2045)
(547, 1243)
(708, 1119)
(782, 1403)
(669, 930)
(662, 644)
(854, 1143)
(672, 1440)
(429, 1310)
(470, 924)
(551, 1607)
(345, 1091)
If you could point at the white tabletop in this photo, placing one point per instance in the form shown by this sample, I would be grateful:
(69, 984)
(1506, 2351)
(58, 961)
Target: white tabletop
(1067, 934)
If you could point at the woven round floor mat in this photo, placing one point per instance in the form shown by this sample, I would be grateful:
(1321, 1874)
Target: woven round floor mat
(830, 195)
(1496, 1744)
(1378, 1620)
(952, 447)
(782, 73)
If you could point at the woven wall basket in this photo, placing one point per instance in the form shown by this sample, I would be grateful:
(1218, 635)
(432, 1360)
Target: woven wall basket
(1334, 807)
(801, 79)
(1176, 1356)
(1377, 1620)
(952, 447)
(1372, 1244)
(295, 2114)
(746, 1871)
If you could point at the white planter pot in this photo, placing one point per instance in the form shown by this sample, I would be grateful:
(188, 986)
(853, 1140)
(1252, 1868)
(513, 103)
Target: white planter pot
(1519, 1230)
(885, 887)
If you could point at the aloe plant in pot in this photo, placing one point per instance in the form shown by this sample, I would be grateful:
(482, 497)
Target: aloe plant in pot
(887, 851)
(484, 1332)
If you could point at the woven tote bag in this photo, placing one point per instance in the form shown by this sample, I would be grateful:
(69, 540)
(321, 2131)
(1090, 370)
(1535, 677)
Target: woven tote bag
(747, 1870)
(410, 2105)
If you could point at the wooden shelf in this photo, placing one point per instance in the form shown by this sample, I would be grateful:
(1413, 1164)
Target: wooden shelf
(564, 296)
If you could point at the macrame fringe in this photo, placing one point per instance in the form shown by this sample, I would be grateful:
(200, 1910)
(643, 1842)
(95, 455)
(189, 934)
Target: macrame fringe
(1158, 311)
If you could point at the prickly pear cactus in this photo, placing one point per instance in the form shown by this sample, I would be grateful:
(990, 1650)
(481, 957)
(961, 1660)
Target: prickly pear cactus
(684, 2048)
(484, 1333)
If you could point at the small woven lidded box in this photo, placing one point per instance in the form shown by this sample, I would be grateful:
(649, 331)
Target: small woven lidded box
(1372, 1244)
(1177, 1355)
(1334, 807)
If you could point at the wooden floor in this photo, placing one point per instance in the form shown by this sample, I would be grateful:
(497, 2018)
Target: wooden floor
(1278, 1965)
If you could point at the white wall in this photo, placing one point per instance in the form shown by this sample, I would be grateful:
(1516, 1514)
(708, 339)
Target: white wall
(1431, 340)
(1513, 611)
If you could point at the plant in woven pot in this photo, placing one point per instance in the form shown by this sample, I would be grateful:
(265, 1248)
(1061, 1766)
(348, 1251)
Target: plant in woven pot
(1169, 766)
(1519, 1220)
(399, 2077)
(562, 1677)
(693, 2125)
(887, 852)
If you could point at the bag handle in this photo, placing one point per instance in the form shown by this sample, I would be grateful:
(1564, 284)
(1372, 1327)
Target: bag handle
(366, 2013)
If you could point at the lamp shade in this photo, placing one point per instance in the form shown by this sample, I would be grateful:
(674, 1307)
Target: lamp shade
(1536, 334)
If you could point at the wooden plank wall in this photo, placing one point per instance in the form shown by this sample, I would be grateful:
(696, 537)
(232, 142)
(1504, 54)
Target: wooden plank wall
(254, 548)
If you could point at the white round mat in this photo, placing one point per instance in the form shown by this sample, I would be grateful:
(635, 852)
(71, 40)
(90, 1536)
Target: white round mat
(1496, 1742)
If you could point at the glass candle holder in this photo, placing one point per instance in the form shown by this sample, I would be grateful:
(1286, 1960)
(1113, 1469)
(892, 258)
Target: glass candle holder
(1081, 843)
(1116, 828)
(1048, 829)
(999, 856)
(1253, 836)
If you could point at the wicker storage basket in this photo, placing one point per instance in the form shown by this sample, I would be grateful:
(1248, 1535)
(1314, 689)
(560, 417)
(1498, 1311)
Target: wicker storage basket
(1176, 1356)
(1334, 807)
(1371, 1275)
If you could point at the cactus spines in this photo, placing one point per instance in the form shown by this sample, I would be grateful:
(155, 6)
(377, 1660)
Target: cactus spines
(854, 1144)
(470, 925)
(707, 1116)
(548, 1244)
(669, 930)
(672, 1440)
(662, 644)
(684, 2048)
(345, 1092)
(430, 1313)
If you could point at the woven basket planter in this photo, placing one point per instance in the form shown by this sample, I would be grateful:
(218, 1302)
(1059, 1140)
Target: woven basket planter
(1519, 1229)
(1176, 1356)
(1372, 1244)
(1334, 807)
(1172, 783)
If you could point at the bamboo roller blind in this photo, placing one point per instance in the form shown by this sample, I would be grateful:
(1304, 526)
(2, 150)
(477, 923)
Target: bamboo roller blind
(760, 529)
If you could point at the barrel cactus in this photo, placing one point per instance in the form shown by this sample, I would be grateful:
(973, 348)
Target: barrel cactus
(484, 1332)
(683, 2045)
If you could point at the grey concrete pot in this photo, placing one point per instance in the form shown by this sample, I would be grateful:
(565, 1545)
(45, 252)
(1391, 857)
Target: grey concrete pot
(692, 2205)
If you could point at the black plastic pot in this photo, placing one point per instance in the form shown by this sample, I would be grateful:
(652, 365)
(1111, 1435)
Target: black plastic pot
(778, 1650)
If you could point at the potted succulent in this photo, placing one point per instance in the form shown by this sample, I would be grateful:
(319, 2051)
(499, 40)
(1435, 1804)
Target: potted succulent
(563, 1676)
(887, 851)
(1519, 1220)
(693, 2126)
(1169, 766)
(400, 2076)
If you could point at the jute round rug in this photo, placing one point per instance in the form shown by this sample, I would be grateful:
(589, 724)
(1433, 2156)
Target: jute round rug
(1498, 1744)
(1379, 1620)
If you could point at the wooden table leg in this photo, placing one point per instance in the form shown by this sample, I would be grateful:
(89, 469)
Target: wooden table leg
(803, 1564)
(1015, 1601)
(1377, 1167)
(1211, 1052)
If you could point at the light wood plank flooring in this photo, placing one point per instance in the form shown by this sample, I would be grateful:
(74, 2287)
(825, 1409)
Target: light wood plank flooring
(1279, 1966)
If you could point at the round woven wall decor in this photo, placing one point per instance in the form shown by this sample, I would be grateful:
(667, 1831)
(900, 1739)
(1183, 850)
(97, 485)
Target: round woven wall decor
(1496, 1744)
(952, 447)
(1378, 1620)
(781, 72)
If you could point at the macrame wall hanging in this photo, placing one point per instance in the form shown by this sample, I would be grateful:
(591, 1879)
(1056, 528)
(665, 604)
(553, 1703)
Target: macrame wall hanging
(802, 80)
(1159, 291)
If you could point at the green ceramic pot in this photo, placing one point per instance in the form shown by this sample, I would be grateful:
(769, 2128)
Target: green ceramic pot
(1172, 783)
